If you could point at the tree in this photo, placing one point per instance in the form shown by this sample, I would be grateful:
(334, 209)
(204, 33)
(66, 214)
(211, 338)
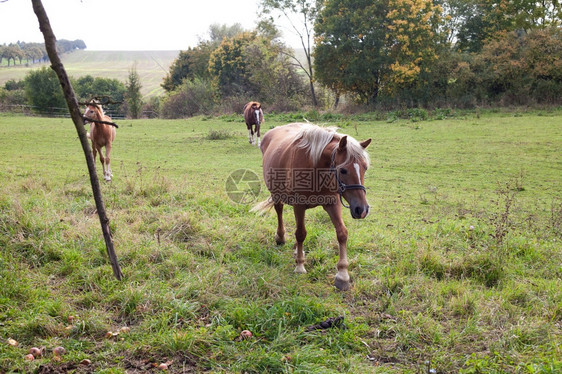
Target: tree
(12, 52)
(366, 47)
(271, 75)
(70, 99)
(32, 52)
(350, 54)
(411, 40)
(218, 33)
(472, 22)
(88, 87)
(134, 97)
(516, 68)
(43, 90)
(194, 62)
(227, 65)
(306, 11)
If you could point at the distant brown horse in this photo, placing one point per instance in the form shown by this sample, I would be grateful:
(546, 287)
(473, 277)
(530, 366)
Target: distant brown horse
(253, 115)
(101, 135)
(305, 166)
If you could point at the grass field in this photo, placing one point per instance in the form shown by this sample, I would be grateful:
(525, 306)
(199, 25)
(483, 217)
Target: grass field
(457, 268)
(152, 67)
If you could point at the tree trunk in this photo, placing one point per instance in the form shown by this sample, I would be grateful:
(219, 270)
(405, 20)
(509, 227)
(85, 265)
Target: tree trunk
(56, 65)
(337, 101)
(310, 76)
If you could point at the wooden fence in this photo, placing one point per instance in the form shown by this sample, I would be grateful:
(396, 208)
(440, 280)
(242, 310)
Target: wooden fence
(51, 112)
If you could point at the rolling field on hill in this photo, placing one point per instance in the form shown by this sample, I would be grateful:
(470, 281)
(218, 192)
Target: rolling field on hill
(455, 270)
(152, 67)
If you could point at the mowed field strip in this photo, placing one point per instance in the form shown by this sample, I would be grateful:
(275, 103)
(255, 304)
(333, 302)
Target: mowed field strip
(152, 67)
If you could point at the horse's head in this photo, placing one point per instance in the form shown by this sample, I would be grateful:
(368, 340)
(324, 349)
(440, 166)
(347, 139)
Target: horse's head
(349, 163)
(92, 112)
(256, 107)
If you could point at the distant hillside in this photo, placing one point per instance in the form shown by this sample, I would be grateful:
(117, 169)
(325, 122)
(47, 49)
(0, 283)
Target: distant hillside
(152, 67)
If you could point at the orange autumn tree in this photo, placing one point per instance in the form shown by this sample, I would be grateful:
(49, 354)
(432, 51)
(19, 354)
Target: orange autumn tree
(412, 41)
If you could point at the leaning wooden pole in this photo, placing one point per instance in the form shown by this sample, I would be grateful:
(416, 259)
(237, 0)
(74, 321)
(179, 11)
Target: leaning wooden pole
(56, 65)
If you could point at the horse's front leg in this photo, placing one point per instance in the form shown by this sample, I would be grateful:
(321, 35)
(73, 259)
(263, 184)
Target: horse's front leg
(342, 280)
(95, 153)
(250, 135)
(300, 235)
(102, 160)
(107, 173)
(280, 234)
(258, 133)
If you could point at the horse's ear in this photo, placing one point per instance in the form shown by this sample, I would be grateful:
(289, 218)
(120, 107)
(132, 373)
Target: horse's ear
(343, 143)
(365, 143)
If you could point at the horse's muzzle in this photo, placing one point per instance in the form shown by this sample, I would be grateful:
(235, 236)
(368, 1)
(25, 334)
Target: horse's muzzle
(359, 211)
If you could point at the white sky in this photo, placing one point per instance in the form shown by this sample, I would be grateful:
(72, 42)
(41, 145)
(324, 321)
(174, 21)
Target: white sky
(128, 24)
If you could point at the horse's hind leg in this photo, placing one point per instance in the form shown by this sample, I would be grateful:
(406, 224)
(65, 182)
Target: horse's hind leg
(300, 235)
(280, 234)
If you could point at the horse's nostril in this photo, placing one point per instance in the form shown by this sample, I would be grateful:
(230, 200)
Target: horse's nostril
(358, 211)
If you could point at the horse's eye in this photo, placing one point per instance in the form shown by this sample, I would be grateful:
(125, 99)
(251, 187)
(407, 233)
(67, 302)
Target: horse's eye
(343, 171)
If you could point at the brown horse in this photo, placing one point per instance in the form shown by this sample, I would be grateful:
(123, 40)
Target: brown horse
(253, 115)
(305, 166)
(101, 135)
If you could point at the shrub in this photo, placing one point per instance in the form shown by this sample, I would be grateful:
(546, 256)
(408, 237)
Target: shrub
(190, 99)
(219, 135)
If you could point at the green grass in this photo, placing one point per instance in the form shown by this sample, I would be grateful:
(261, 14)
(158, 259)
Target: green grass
(456, 269)
(152, 67)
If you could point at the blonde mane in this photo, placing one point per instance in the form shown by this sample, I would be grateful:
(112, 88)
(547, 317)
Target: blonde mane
(99, 110)
(315, 138)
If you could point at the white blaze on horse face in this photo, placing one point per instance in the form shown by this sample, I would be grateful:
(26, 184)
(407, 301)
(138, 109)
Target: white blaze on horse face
(356, 166)
(88, 112)
(257, 114)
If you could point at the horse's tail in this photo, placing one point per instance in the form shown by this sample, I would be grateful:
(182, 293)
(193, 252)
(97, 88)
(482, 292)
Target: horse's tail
(262, 207)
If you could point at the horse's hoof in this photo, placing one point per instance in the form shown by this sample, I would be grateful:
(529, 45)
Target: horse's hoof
(342, 285)
(300, 269)
(279, 240)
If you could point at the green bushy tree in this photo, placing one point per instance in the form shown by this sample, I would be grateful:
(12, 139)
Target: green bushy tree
(43, 90)
(228, 67)
(192, 63)
(88, 87)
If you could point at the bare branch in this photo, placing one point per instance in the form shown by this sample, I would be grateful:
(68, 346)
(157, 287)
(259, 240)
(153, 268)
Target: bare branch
(86, 119)
(57, 66)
